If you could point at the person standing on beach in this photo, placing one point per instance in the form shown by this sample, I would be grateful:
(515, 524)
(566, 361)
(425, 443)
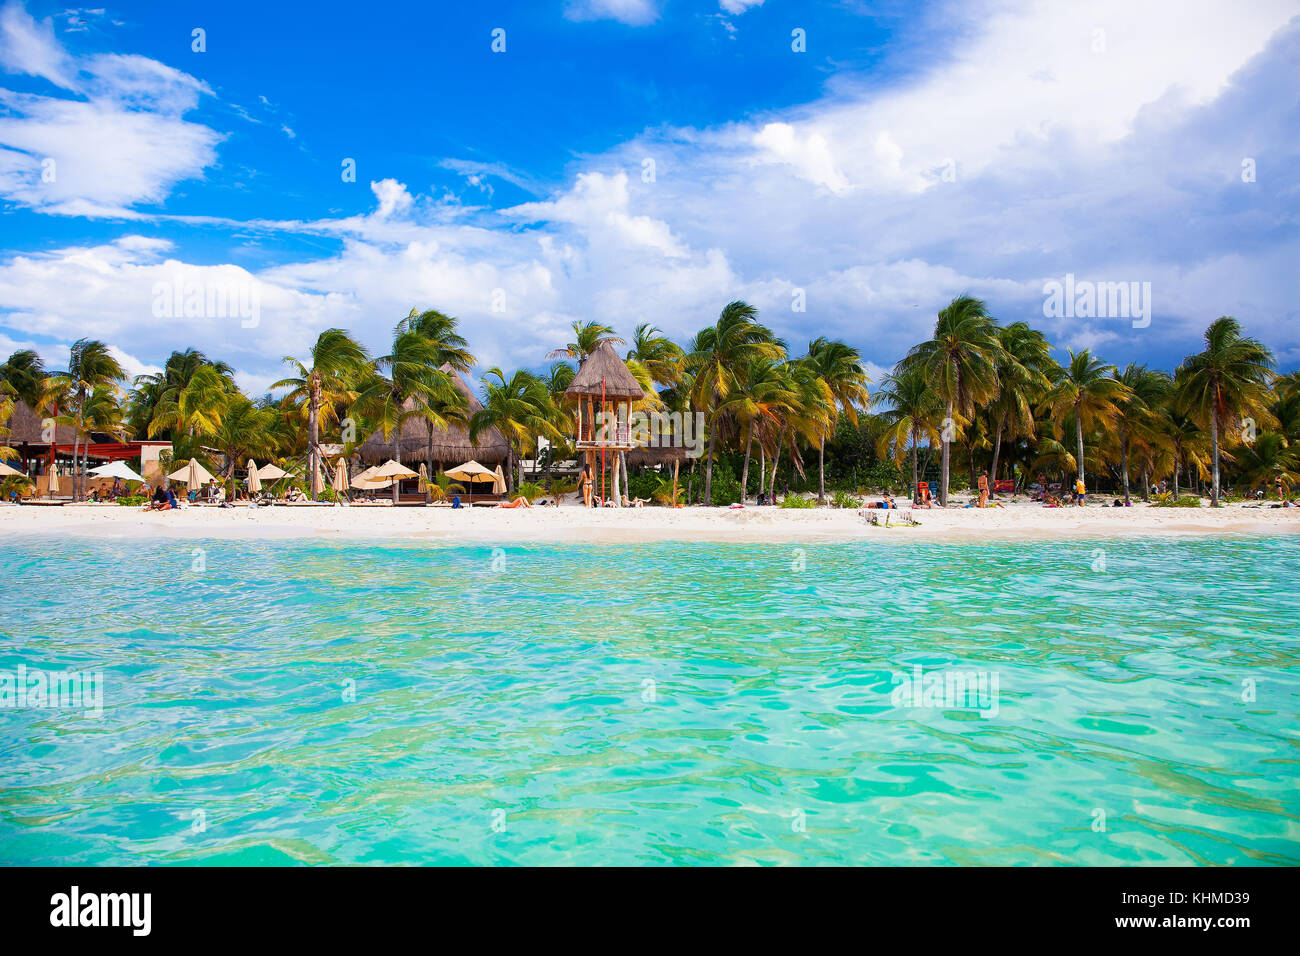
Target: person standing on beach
(984, 490)
(1079, 492)
(585, 481)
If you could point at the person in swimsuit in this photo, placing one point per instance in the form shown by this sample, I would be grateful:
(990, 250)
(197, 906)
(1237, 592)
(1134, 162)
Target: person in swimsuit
(984, 491)
(586, 486)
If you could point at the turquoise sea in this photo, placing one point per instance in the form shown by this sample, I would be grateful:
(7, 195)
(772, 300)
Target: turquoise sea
(288, 702)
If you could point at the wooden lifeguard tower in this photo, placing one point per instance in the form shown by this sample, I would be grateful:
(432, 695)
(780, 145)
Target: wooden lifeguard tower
(604, 392)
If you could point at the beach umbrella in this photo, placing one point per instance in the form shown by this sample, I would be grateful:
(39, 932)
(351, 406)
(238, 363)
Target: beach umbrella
(424, 477)
(317, 482)
(254, 480)
(269, 472)
(116, 469)
(341, 476)
(499, 487)
(194, 475)
(7, 472)
(393, 469)
(472, 471)
(53, 477)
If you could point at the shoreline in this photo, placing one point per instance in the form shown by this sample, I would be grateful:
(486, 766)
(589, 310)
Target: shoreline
(575, 525)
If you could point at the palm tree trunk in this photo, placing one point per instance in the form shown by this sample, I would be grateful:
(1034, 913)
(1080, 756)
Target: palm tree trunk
(947, 458)
(916, 478)
(1146, 482)
(1177, 467)
(821, 472)
(428, 464)
(397, 453)
(1123, 463)
(313, 431)
(744, 471)
(997, 452)
(708, 471)
(1214, 447)
(762, 468)
(1078, 437)
(776, 461)
(76, 444)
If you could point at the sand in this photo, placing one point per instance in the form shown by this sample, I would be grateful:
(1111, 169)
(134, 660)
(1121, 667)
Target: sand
(1018, 521)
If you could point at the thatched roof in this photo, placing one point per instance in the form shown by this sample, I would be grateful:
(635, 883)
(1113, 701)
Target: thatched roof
(450, 445)
(659, 455)
(604, 372)
(25, 428)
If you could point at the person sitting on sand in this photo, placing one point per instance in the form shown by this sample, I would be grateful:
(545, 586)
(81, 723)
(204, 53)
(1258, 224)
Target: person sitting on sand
(923, 497)
(634, 502)
(158, 501)
(520, 502)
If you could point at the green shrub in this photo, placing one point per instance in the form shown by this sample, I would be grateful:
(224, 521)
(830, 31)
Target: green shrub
(132, 501)
(643, 486)
(1169, 501)
(798, 501)
(843, 499)
(531, 490)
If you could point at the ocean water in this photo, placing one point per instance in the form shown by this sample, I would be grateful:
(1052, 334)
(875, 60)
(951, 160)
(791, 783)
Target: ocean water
(291, 702)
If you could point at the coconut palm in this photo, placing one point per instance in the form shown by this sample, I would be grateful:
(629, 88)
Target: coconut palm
(24, 371)
(406, 384)
(441, 331)
(1139, 410)
(151, 390)
(520, 408)
(586, 336)
(1086, 389)
(657, 354)
(194, 409)
(840, 367)
(807, 414)
(961, 362)
(910, 412)
(717, 358)
(1225, 383)
(91, 365)
(1266, 459)
(759, 403)
(1024, 367)
(324, 383)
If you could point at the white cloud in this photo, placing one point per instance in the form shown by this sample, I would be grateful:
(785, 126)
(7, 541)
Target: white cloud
(631, 12)
(118, 141)
(738, 7)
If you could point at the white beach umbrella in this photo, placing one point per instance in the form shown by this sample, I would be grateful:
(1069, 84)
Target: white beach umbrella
(269, 472)
(500, 487)
(53, 477)
(341, 476)
(472, 471)
(7, 472)
(116, 469)
(254, 480)
(317, 482)
(193, 474)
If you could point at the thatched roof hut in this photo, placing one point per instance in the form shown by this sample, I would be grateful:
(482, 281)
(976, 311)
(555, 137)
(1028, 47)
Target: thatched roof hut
(451, 445)
(604, 372)
(665, 455)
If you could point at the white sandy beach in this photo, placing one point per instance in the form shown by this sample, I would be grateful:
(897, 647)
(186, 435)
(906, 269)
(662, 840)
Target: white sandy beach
(574, 524)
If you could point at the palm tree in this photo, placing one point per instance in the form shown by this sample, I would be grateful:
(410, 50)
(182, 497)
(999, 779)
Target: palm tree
(807, 414)
(441, 331)
(586, 336)
(760, 402)
(324, 383)
(192, 410)
(657, 354)
(1224, 383)
(717, 356)
(1024, 368)
(25, 372)
(413, 387)
(520, 408)
(961, 362)
(91, 365)
(840, 367)
(1185, 441)
(1086, 389)
(1147, 391)
(1266, 459)
(245, 431)
(162, 388)
(911, 412)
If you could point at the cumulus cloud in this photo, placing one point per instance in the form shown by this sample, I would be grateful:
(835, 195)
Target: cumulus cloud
(631, 12)
(114, 139)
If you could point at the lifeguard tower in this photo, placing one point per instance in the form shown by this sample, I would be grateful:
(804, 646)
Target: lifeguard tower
(604, 391)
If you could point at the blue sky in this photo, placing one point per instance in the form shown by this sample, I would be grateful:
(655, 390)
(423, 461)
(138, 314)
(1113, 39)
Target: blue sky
(910, 153)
